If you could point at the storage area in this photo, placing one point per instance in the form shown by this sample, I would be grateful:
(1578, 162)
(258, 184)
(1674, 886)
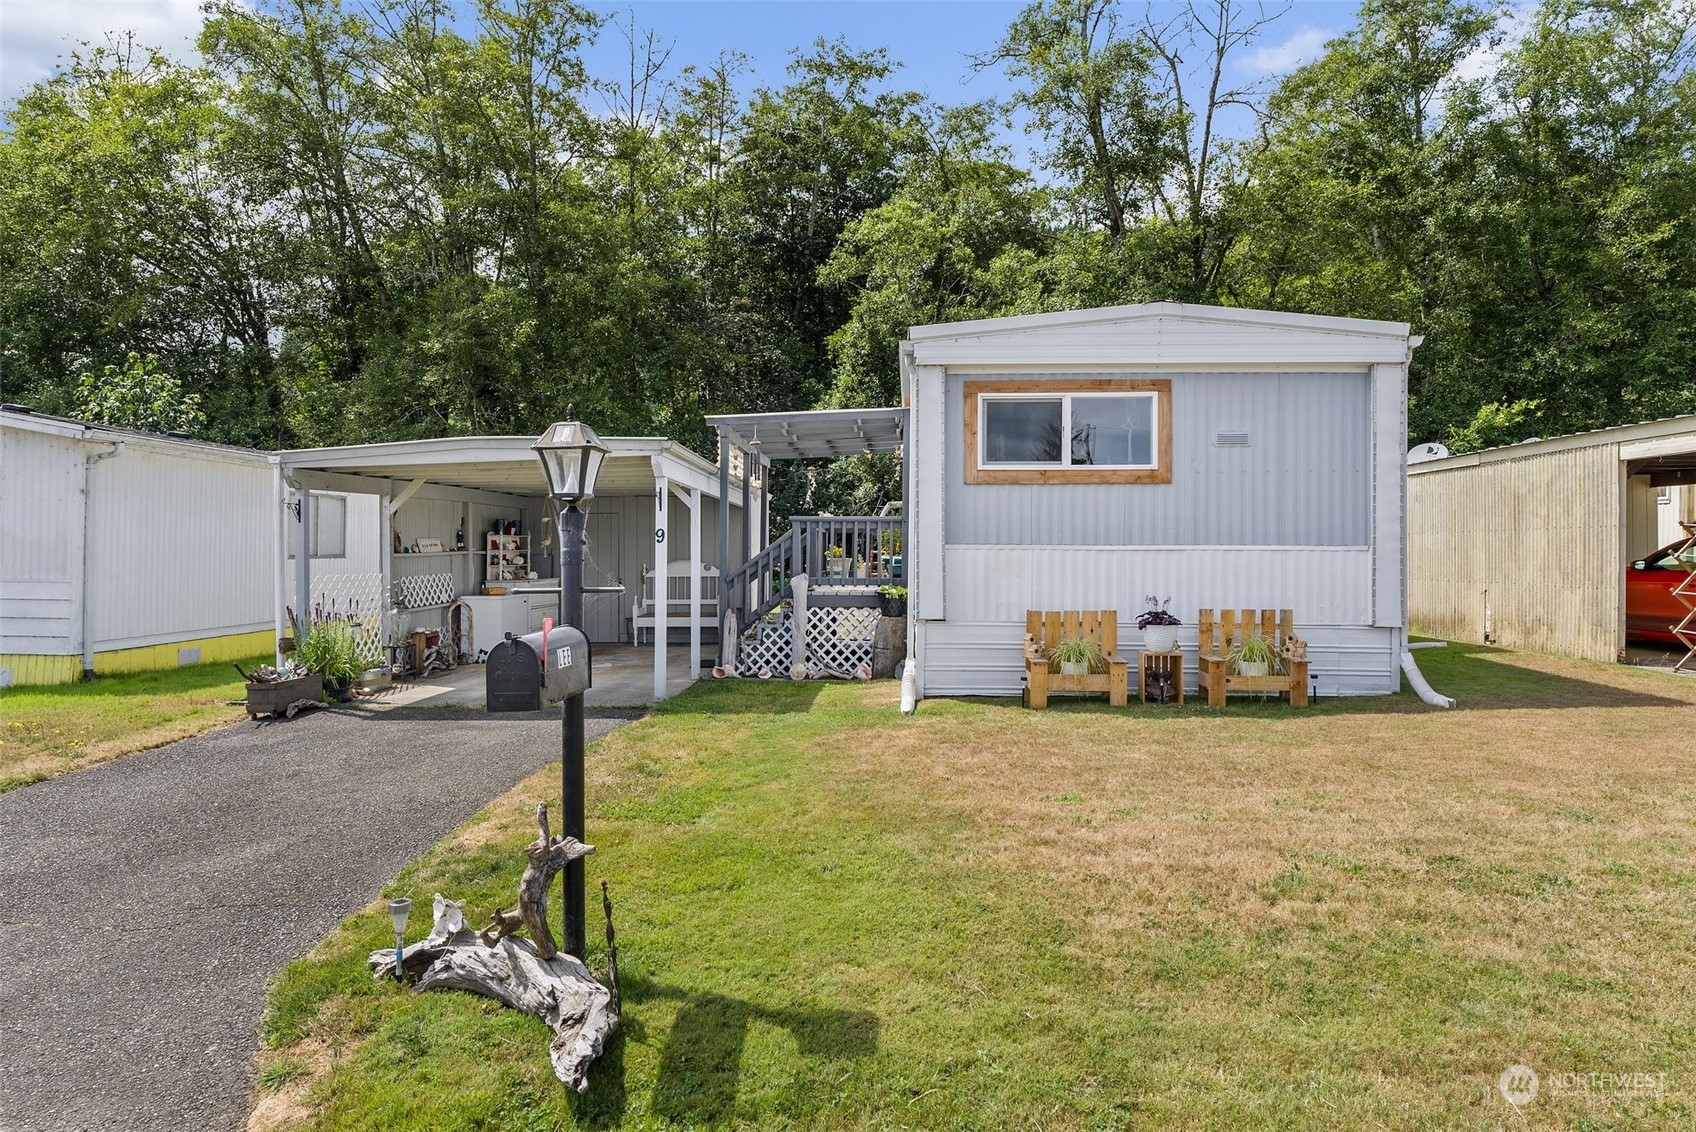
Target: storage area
(506, 556)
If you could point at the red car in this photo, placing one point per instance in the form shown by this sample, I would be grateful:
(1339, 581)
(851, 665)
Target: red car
(1650, 608)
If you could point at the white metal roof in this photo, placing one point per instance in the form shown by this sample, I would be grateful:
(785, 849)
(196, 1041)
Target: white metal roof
(1161, 335)
(68, 428)
(818, 434)
(507, 463)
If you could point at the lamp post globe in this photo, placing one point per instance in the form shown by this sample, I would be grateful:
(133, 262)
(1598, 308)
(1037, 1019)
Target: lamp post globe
(571, 456)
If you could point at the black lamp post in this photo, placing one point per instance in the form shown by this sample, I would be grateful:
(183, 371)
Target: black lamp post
(571, 455)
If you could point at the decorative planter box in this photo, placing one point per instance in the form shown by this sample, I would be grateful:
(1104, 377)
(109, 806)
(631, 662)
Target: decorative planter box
(274, 699)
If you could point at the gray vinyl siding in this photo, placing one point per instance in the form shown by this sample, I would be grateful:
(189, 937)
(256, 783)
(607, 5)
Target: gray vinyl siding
(1305, 478)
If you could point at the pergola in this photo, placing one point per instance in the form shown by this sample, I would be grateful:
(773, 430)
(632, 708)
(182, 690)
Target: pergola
(817, 434)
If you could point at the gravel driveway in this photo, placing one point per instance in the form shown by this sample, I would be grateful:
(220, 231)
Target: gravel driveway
(145, 901)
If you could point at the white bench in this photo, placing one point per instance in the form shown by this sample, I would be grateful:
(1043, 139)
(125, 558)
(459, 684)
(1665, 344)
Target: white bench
(677, 610)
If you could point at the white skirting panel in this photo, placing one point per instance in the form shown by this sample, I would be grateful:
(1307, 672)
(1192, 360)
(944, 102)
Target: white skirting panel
(978, 649)
(1323, 585)
(987, 658)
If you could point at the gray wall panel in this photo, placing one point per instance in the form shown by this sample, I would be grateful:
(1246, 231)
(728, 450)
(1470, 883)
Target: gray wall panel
(1304, 480)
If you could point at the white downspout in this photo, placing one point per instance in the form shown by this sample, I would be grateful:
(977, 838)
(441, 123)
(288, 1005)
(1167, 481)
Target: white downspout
(88, 463)
(1416, 681)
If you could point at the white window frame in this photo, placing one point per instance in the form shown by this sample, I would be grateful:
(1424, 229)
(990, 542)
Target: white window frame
(1065, 461)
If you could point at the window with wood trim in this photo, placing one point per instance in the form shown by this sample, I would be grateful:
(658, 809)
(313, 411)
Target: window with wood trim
(1069, 431)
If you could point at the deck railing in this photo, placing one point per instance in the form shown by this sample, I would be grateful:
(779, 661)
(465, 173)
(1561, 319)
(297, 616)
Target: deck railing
(833, 551)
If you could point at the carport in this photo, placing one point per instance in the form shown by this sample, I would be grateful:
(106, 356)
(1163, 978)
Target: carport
(433, 494)
(1530, 545)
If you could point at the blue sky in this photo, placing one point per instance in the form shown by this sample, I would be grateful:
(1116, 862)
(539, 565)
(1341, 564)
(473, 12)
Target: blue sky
(931, 39)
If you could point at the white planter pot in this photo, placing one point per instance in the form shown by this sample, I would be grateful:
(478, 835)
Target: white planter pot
(1252, 667)
(1160, 638)
(1073, 668)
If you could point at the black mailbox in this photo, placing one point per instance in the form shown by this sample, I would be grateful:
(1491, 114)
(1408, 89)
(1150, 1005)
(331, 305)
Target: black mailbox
(565, 665)
(512, 677)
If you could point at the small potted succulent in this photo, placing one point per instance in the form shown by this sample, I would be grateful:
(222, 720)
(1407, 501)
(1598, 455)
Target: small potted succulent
(1076, 656)
(892, 601)
(1159, 627)
(1254, 657)
(862, 570)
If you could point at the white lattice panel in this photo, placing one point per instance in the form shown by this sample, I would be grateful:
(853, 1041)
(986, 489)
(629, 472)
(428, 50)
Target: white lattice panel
(346, 596)
(424, 590)
(767, 645)
(839, 640)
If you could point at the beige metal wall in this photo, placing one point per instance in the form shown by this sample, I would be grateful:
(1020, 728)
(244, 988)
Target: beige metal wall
(1537, 540)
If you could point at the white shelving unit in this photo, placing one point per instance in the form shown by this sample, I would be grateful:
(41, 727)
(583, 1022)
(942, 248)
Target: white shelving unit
(506, 558)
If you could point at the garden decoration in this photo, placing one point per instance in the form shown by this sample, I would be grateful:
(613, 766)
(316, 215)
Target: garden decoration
(531, 975)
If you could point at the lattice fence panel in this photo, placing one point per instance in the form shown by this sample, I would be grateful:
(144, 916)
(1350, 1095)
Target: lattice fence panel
(356, 599)
(768, 644)
(424, 590)
(839, 640)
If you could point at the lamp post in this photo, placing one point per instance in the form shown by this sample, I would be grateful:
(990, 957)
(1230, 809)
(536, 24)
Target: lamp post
(571, 456)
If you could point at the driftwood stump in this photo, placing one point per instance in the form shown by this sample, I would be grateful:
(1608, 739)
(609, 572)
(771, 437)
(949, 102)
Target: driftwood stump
(528, 975)
(560, 991)
(547, 856)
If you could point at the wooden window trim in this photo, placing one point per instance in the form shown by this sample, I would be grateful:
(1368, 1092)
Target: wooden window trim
(1160, 473)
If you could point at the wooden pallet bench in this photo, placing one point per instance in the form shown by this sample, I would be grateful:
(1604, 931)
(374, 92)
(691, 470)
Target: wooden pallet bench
(1219, 635)
(1045, 628)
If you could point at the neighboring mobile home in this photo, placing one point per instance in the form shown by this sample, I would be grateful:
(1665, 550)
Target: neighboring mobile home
(1219, 457)
(126, 550)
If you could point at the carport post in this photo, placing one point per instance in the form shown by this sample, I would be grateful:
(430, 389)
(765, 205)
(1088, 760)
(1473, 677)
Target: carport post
(302, 561)
(723, 534)
(694, 584)
(662, 602)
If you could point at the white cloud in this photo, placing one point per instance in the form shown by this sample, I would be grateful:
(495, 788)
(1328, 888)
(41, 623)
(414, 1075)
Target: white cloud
(36, 34)
(1515, 25)
(1302, 46)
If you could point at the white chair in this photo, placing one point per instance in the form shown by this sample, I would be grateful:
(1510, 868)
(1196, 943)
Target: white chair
(678, 611)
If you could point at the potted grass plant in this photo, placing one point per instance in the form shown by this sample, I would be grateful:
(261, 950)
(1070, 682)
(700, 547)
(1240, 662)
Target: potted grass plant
(1254, 657)
(332, 650)
(1076, 656)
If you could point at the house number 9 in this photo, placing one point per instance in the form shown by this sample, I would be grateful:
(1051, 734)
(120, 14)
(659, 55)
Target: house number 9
(659, 534)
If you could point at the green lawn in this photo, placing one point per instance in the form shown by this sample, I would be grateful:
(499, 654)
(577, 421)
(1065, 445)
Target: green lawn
(49, 731)
(981, 917)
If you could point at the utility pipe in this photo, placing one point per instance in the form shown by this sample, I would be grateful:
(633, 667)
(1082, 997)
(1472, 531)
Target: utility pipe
(1416, 680)
(88, 463)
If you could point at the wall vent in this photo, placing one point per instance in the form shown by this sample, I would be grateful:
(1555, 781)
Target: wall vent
(188, 656)
(1230, 439)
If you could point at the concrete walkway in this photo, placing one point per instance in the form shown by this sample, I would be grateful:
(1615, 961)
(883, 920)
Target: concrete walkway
(624, 677)
(146, 901)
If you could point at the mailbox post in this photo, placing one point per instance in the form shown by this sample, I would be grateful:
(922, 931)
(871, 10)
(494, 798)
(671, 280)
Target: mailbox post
(571, 455)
